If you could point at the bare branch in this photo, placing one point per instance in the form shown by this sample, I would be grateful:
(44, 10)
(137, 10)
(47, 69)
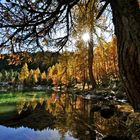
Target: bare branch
(29, 22)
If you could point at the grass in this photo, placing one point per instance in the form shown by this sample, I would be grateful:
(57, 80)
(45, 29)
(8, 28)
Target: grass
(9, 101)
(14, 97)
(7, 108)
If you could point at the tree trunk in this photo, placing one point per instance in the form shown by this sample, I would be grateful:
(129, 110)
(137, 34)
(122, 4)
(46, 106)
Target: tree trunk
(126, 18)
(90, 61)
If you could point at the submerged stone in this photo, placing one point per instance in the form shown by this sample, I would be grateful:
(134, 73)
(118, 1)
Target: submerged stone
(107, 112)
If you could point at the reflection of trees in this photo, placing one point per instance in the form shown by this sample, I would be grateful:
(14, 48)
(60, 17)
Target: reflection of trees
(73, 114)
(29, 103)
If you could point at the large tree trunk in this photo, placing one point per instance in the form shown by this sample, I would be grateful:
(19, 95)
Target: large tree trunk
(126, 18)
(90, 61)
(91, 21)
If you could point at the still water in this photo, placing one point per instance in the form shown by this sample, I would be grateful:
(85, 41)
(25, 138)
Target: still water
(23, 133)
(53, 116)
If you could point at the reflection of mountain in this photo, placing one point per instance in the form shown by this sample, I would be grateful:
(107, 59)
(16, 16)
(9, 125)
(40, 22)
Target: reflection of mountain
(64, 112)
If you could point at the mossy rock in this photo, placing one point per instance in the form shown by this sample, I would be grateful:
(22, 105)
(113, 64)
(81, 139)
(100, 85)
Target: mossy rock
(133, 124)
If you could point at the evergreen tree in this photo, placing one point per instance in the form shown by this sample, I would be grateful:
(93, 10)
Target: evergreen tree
(24, 74)
(37, 75)
(43, 78)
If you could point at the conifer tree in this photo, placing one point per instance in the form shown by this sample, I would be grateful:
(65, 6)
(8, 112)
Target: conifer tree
(24, 74)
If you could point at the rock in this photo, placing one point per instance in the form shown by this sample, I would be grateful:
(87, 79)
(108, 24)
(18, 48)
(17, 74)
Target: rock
(124, 108)
(110, 97)
(135, 117)
(107, 112)
(133, 124)
(115, 138)
(88, 96)
(124, 116)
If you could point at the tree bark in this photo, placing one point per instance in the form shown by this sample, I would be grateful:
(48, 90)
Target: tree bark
(90, 61)
(126, 18)
(91, 14)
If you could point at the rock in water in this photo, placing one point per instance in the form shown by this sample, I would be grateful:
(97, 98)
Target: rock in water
(107, 112)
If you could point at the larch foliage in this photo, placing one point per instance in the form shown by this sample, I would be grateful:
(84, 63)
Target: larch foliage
(24, 74)
(43, 76)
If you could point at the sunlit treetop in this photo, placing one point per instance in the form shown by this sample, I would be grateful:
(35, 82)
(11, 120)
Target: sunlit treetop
(86, 37)
(34, 24)
(37, 25)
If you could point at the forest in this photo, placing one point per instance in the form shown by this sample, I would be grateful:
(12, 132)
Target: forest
(72, 60)
(65, 68)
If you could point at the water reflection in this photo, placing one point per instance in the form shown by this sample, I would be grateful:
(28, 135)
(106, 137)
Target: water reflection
(63, 115)
(23, 133)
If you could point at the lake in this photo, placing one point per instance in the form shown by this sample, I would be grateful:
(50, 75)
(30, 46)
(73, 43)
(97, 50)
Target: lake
(43, 115)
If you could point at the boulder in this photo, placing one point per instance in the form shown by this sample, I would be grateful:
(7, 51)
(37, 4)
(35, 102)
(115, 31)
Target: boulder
(133, 124)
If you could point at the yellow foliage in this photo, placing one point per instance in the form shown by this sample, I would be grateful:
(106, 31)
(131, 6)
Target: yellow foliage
(43, 76)
(57, 72)
(105, 60)
(37, 71)
(31, 72)
(35, 78)
(75, 65)
(24, 73)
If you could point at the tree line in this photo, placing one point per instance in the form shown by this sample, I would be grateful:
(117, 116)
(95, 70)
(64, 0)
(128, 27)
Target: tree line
(71, 68)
